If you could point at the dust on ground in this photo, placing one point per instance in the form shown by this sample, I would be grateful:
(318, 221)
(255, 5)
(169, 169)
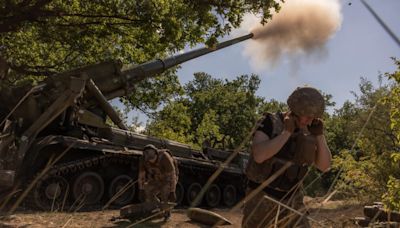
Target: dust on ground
(330, 214)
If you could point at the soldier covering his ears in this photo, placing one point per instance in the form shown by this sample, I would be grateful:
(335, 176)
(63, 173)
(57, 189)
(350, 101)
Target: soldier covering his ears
(297, 136)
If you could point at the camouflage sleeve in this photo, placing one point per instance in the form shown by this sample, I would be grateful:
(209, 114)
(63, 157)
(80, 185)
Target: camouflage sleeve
(166, 163)
(176, 169)
(168, 167)
(171, 177)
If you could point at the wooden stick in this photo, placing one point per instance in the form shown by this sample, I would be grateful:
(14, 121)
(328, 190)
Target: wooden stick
(291, 209)
(260, 187)
(329, 196)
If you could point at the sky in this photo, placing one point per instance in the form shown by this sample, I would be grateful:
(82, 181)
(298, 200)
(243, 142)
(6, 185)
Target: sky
(359, 48)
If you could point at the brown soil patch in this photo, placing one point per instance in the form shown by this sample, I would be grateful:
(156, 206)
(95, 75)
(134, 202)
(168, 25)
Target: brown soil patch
(331, 214)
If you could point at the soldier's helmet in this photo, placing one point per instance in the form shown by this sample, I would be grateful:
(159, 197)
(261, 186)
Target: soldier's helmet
(150, 152)
(306, 101)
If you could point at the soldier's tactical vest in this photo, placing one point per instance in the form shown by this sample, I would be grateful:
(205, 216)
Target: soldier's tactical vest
(300, 148)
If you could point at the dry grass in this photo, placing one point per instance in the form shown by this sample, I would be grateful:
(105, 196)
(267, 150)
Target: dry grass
(338, 213)
(331, 214)
(58, 219)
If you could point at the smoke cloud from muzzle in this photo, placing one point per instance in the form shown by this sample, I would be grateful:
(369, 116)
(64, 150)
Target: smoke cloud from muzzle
(300, 29)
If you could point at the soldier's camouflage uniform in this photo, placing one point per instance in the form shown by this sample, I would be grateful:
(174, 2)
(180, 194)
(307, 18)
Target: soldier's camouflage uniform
(161, 177)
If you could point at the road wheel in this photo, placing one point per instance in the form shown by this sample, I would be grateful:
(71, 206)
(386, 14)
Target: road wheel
(88, 188)
(180, 193)
(192, 192)
(229, 195)
(51, 193)
(213, 195)
(121, 190)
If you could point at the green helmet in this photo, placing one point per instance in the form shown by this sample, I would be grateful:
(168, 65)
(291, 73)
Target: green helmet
(306, 101)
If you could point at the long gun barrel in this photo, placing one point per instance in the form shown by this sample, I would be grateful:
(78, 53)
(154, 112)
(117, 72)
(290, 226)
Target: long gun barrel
(114, 80)
(154, 67)
(133, 74)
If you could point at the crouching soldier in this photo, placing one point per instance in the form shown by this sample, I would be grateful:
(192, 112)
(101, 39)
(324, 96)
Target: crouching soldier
(158, 176)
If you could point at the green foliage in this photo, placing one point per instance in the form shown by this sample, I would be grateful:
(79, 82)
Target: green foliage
(273, 106)
(208, 129)
(43, 37)
(221, 111)
(365, 135)
(394, 100)
(234, 103)
(367, 114)
(363, 178)
(173, 123)
(341, 127)
(152, 93)
(392, 196)
(316, 184)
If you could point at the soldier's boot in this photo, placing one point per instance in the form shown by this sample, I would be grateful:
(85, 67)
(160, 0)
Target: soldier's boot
(136, 212)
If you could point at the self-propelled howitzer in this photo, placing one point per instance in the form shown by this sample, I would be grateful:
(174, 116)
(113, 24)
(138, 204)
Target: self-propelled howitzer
(60, 126)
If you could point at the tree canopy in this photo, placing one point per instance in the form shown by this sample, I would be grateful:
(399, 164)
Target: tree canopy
(42, 37)
(364, 136)
(392, 196)
(221, 112)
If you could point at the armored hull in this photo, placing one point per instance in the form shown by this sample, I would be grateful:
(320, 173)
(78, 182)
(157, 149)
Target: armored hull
(102, 171)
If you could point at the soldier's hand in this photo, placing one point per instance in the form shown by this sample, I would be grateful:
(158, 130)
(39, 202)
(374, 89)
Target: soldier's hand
(172, 197)
(289, 122)
(316, 127)
(142, 196)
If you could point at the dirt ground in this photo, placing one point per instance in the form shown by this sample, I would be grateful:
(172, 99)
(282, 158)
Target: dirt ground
(331, 214)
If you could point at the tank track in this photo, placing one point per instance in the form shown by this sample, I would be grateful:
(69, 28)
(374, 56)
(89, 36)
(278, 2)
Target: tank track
(200, 175)
(67, 169)
(72, 168)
